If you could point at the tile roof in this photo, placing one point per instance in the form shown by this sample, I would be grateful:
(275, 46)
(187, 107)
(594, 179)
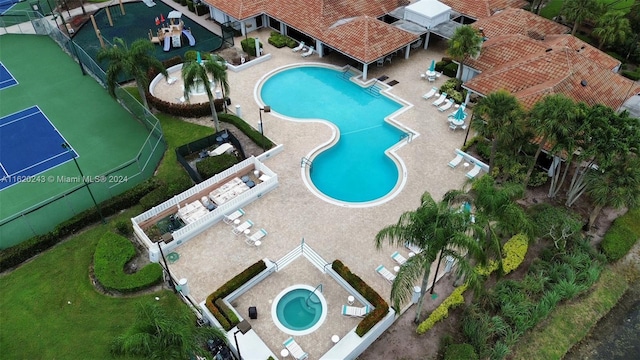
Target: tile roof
(349, 26)
(556, 70)
(503, 49)
(480, 9)
(519, 21)
(607, 61)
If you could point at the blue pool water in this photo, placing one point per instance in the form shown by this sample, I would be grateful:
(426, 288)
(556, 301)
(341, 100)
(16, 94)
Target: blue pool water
(355, 169)
(295, 312)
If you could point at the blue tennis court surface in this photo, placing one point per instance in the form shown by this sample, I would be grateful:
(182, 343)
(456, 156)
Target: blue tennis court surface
(6, 79)
(6, 5)
(29, 145)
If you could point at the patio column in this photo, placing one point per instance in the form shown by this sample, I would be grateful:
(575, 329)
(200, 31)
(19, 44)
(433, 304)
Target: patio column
(365, 67)
(426, 40)
(407, 50)
(243, 29)
(319, 48)
(466, 99)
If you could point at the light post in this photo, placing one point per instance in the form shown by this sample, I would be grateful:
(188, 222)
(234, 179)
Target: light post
(265, 109)
(243, 327)
(84, 180)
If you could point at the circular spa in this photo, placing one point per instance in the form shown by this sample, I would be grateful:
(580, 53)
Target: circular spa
(299, 310)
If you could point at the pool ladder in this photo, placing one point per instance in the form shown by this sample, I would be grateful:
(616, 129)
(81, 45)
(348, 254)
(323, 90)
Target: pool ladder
(305, 162)
(313, 292)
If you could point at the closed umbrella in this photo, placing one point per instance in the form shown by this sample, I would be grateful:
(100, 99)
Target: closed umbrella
(459, 115)
(433, 66)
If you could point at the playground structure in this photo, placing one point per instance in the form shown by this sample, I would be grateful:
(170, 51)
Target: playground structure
(170, 35)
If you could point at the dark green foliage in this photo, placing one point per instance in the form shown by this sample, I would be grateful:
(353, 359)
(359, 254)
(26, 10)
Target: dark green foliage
(450, 70)
(164, 192)
(190, 6)
(183, 2)
(460, 351)
(441, 64)
(450, 85)
(249, 46)
(278, 40)
(212, 165)
(484, 149)
(538, 178)
(124, 227)
(381, 306)
(112, 254)
(556, 224)
(202, 9)
(16, 255)
(617, 242)
(190, 55)
(247, 129)
(633, 75)
(225, 317)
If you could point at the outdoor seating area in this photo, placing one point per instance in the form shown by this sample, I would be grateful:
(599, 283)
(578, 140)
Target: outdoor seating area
(478, 166)
(355, 310)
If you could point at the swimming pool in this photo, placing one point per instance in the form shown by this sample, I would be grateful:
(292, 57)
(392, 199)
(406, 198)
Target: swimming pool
(299, 310)
(356, 168)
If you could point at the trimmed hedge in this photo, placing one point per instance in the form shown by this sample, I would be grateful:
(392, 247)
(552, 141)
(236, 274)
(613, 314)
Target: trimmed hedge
(633, 75)
(381, 306)
(225, 316)
(20, 253)
(112, 254)
(249, 46)
(247, 129)
(202, 9)
(278, 40)
(460, 351)
(621, 236)
(450, 70)
(212, 165)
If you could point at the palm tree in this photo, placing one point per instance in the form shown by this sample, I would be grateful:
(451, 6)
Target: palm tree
(157, 334)
(134, 61)
(612, 27)
(466, 42)
(578, 11)
(498, 117)
(439, 230)
(195, 73)
(551, 119)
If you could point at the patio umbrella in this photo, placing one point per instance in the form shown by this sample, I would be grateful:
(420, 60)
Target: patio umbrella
(459, 114)
(162, 18)
(199, 58)
(174, 15)
(433, 66)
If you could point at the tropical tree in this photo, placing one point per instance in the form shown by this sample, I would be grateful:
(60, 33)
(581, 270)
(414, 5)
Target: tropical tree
(134, 61)
(158, 334)
(612, 27)
(466, 42)
(551, 119)
(578, 11)
(441, 231)
(195, 73)
(499, 118)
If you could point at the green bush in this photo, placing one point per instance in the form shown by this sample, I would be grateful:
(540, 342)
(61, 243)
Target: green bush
(450, 85)
(381, 308)
(617, 242)
(228, 319)
(249, 46)
(441, 64)
(633, 75)
(212, 165)
(19, 253)
(442, 311)
(112, 254)
(450, 70)
(202, 9)
(460, 351)
(190, 55)
(538, 178)
(278, 40)
(183, 2)
(124, 227)
(483, 148)
(456, 96)
(247, 129)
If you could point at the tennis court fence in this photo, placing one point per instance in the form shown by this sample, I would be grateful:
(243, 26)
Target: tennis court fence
(45, 215)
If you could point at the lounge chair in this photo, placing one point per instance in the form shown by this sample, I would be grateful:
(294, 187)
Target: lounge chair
(474, 172)
(355, 310)
(430, 94)
(397, 257)
(294, 349)
(453, 126)
(309, 52)
(228, 219)
(256, 236)
(242, 227)
(385, 273)
(299, 47)
(446, 106)
(171, 80)
(456, 161)
(440, 100)
(413, 248)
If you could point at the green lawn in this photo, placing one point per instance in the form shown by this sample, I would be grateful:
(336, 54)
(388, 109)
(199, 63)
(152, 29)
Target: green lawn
(37, 320)
(553, 7)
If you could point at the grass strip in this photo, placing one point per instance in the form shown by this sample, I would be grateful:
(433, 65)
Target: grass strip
(570, 323)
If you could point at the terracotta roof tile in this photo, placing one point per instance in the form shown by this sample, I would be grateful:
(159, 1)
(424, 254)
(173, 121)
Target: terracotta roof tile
(572, 42)
(504, 49)
(480, 9)
(519, 21)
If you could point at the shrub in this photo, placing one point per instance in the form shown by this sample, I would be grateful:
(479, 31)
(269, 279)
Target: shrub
(538, 178)
(441, 64)
(112, 254)
(212, 165)
(247, 129)
(483, 148)
(190, 6)
(456, 96)
(124, 227)
(381, 306)
(515, 250)
(450, 70)
(450, 85)
(633, 75)
(617, 242)
(460, 351)
(202, 9)
(278, 40)
(249, 46)
(442, 311)
(190, 55)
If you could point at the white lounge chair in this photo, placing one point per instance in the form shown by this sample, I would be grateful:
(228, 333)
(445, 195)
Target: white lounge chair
(474, 172)
(413, 248)
(242, 227)
(440, 100)
(430, 94)
(309, 52)
(385, 273)
(355, 310)
(456, 161)
(228, 219)
(295, 350)
(453, 126)
(397, 257)
(256, 236)
(171, 80)
(299, 47)
(446, 106)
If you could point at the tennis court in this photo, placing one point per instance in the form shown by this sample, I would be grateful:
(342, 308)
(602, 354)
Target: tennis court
(53, 103)
(6, 79)
(29, 145)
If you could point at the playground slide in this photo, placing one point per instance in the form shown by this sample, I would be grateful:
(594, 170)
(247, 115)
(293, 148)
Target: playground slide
(192, 40)
(167, 43)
